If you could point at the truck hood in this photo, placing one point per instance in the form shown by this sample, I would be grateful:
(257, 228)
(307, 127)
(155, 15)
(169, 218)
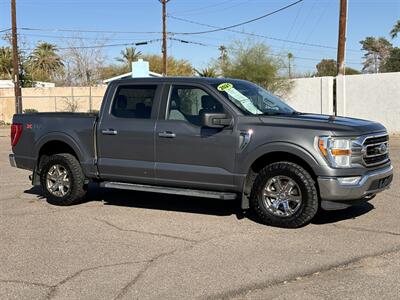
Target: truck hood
(340, 126)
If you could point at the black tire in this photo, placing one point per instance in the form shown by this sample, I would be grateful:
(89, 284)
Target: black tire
(309, 196)
(76, 191)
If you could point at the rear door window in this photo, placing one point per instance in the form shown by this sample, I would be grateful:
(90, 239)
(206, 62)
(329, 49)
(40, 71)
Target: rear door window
(134, 101)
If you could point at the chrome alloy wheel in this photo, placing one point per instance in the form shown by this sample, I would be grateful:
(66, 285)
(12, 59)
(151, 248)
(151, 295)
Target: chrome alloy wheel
(57, 181)
(282, 196)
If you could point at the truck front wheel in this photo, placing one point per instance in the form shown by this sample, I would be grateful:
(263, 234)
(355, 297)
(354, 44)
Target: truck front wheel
(62, 179)
(284, 195)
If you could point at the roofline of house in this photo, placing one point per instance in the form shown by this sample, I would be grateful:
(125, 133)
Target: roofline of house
(129, 74)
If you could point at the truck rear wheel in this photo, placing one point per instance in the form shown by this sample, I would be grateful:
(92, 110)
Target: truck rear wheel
(284, 195)
(62, 179)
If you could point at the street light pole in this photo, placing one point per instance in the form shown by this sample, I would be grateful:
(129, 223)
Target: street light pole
(17, 87)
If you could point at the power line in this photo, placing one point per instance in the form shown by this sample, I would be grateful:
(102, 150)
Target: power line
(75, 37)
(104, 46)
(256, 35)
(245, 22)
(5, 30)
(88, 31)
(272, 54)
(204, 7)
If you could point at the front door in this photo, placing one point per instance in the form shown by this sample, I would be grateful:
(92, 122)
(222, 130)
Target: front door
(125, 134)
(188, 154)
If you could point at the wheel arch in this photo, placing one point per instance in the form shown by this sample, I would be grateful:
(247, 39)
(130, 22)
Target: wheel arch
(57, 143)
(271, 153)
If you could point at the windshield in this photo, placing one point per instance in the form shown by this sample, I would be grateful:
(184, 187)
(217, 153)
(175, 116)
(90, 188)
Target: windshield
(252, 99)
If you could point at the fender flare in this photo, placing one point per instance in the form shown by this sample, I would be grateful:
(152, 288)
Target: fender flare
(272, 147)
(57, 136)
(287, 147)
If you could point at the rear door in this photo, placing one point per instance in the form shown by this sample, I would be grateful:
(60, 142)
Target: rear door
(188, 154)
(125, 133)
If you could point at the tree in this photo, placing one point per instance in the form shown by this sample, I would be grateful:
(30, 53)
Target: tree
(252, 61)
(392, 63)
(112, 70)
(395, 30)
(176, 67)
(351, 71)
(82, 63)
(290, 58)
(377, 51)
(128, 56)
(326, 67)
(44, 63)
(207, 72)
(6, 64)
(223, 57)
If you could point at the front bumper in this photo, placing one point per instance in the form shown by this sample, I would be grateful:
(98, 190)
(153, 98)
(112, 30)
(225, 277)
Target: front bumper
(371, 183)
(11, 157)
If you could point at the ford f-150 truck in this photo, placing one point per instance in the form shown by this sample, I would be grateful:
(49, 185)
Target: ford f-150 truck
(217, 138)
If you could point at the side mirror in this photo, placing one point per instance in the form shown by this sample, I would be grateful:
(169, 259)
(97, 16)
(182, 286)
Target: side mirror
(215, 120)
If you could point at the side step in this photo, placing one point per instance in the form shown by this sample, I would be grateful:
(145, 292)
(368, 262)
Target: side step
(168, 190)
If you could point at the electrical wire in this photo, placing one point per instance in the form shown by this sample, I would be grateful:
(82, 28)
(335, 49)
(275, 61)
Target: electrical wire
(273, 54)
(75, 37)
(245, 22)
(88, 31)
(104, 46)
(256, 35)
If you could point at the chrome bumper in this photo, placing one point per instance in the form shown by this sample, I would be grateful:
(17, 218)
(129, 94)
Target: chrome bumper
(371, 183)
(11, 157)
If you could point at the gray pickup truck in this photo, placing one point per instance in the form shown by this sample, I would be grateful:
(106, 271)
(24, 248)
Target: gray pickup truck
(215, 138)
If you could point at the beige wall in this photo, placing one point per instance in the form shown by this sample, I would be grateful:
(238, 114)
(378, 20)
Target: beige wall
(51, 99)
(367, 96)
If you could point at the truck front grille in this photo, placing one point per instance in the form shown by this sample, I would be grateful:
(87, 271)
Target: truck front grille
(376, 150)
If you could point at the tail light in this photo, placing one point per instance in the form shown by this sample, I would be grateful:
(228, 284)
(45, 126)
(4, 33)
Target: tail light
(16, 131)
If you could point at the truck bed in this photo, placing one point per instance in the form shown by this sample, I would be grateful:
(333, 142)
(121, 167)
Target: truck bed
(76, 129)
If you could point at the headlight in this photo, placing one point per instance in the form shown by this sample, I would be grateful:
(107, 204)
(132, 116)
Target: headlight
(337, 151)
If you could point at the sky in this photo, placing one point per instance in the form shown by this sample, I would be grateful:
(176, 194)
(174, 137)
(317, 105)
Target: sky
(310, 27)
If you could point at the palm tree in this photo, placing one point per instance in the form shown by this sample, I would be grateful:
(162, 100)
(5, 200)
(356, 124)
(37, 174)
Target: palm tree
(223, 54)
(44, 62)
(5, 63)
(128, 56)
(207, 72)
(395, 30)
(290, 58)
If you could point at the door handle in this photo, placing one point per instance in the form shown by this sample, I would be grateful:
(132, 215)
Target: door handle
(109, 132)
(167, 134)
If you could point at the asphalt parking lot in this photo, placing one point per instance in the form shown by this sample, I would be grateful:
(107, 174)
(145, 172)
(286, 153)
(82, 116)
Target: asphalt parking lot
(130, 245)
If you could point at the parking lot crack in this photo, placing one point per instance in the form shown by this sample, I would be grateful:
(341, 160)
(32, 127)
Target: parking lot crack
(53, 288)
(25, 282)
(320, 271)
(150, 263)
(146, 232)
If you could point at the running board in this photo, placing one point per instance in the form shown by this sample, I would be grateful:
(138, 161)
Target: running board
(169, 190)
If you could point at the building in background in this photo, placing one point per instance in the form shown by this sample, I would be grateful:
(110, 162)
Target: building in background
(8, 84)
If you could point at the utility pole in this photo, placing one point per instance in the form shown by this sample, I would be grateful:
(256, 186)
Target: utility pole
(17, 87)
(342, 37)
(164, 35)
